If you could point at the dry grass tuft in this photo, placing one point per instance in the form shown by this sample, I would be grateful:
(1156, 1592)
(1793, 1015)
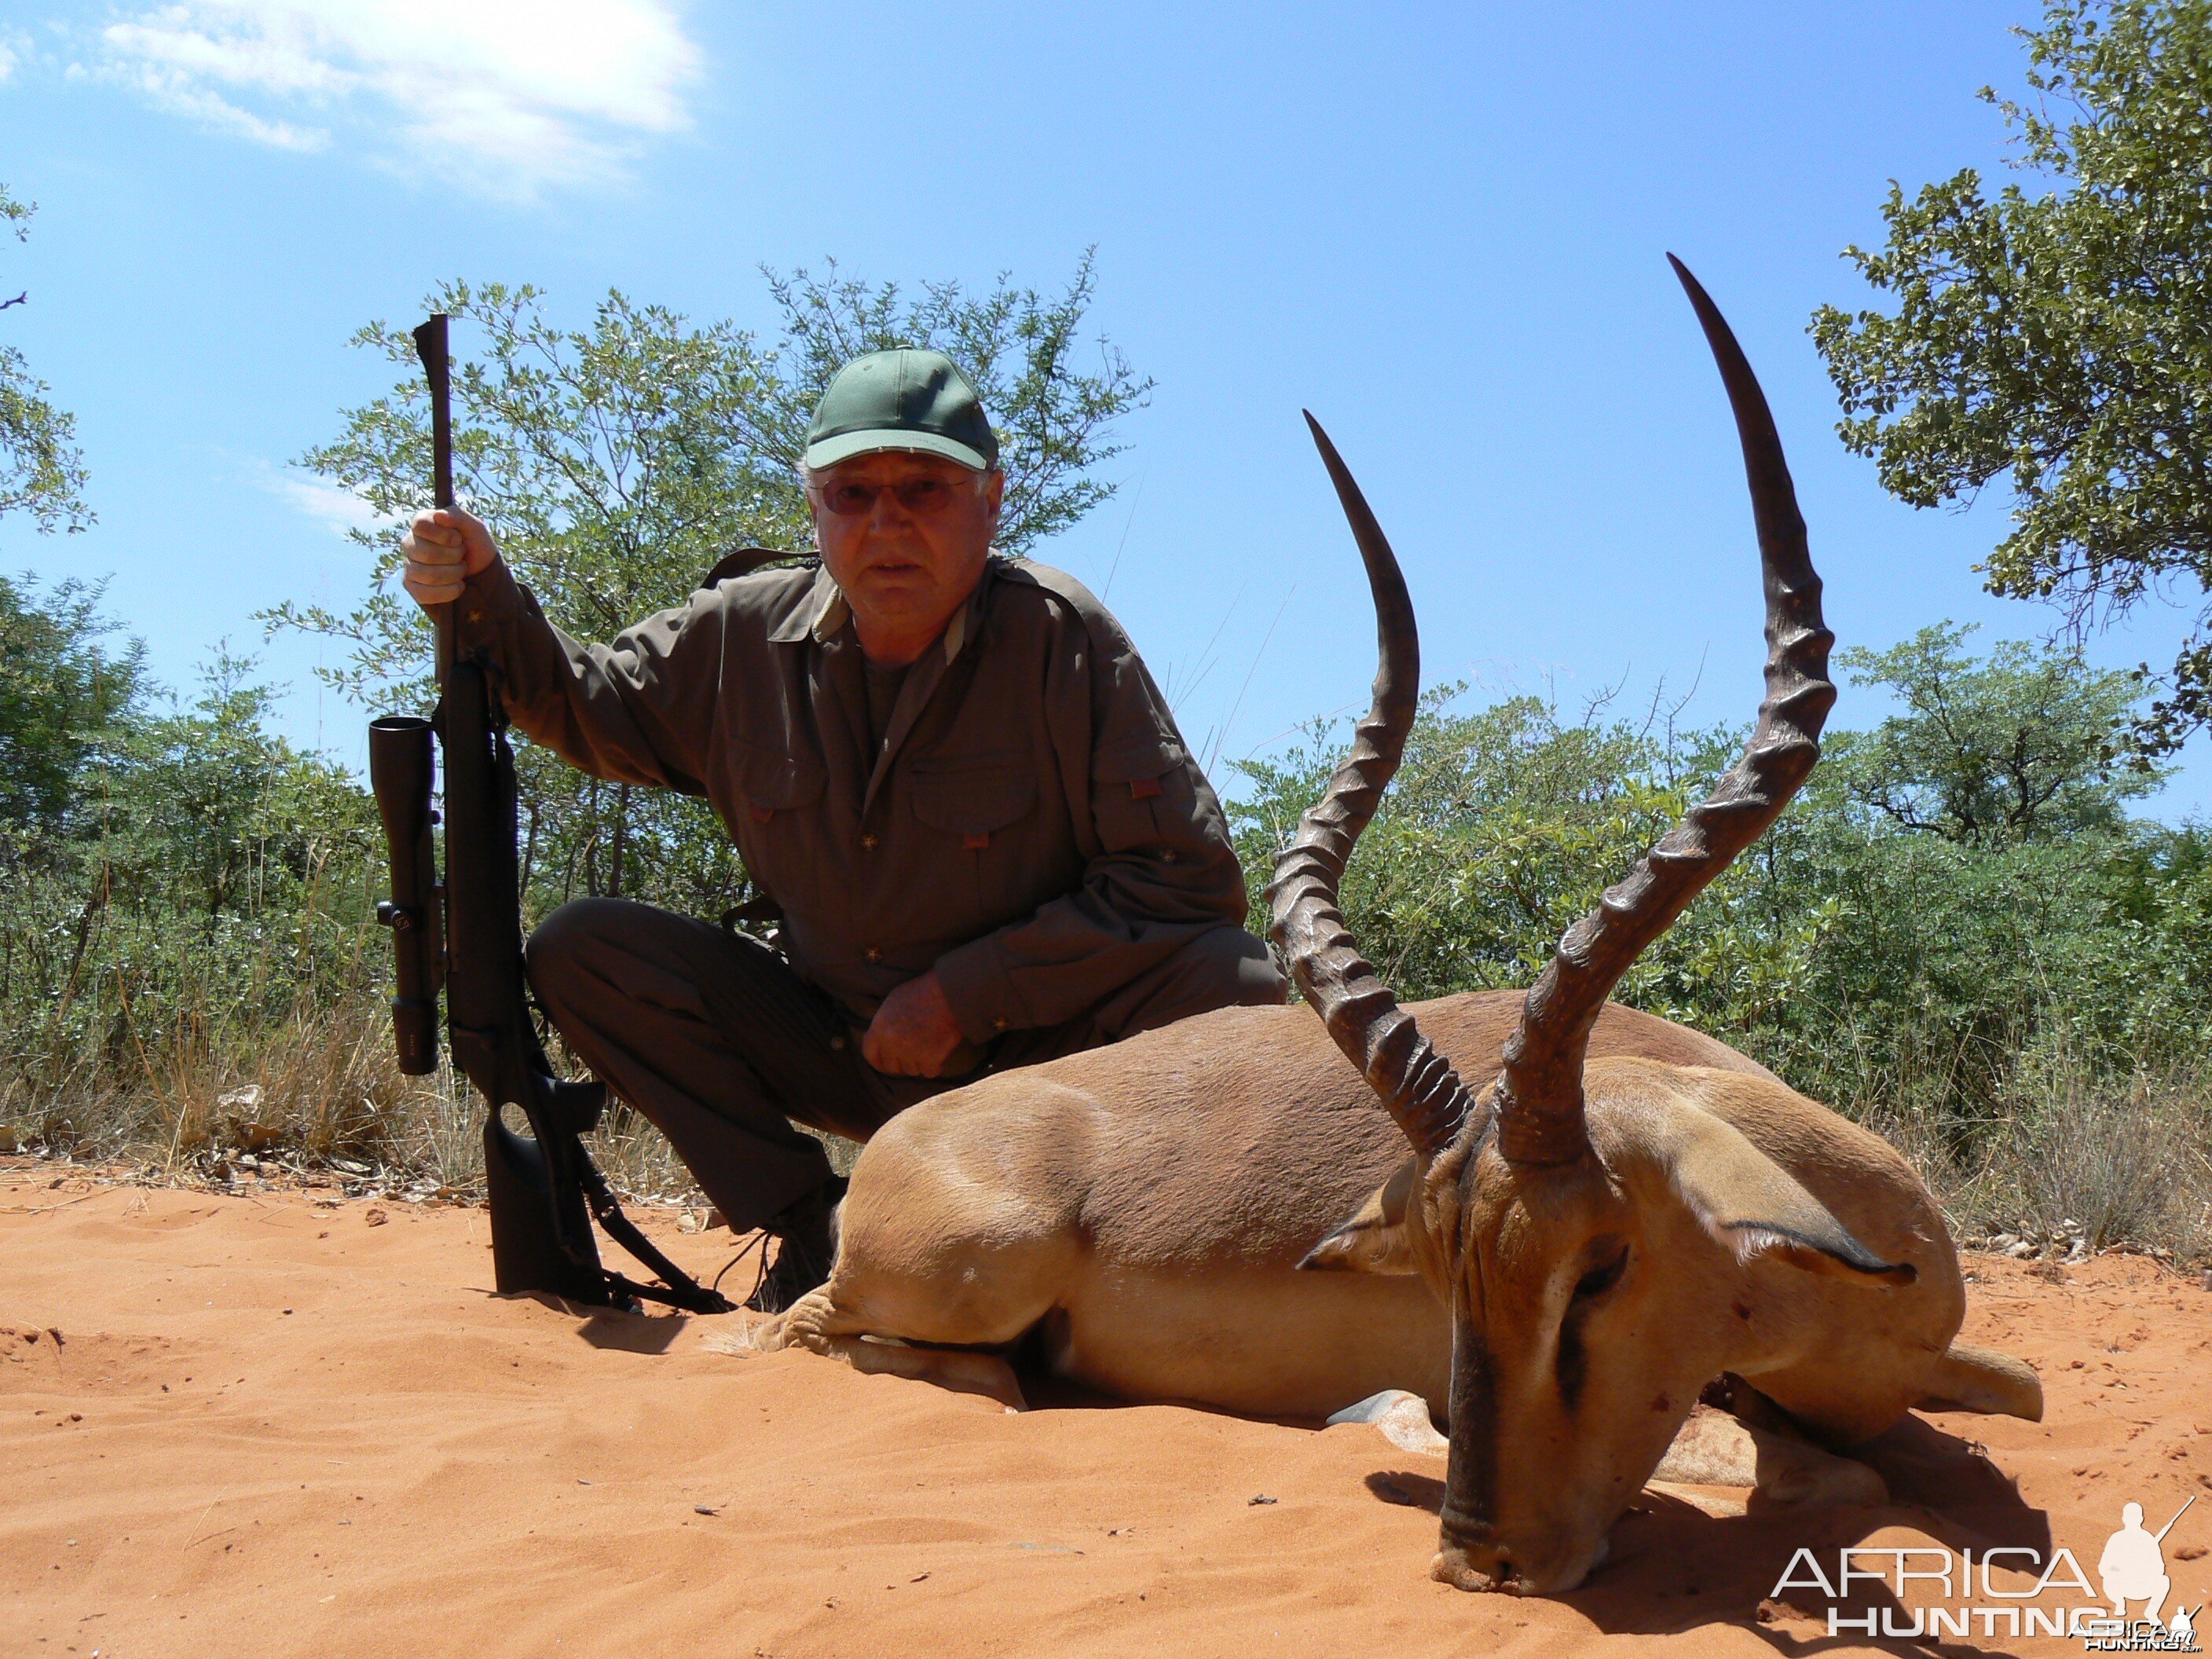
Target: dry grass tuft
(2078, 1163)
(316, 1092)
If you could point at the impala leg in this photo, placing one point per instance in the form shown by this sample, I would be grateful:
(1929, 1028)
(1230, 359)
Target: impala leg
(1755, 1443)
(816, 1323)
(802, 1324)
(948, 1368)
(1793, 1472)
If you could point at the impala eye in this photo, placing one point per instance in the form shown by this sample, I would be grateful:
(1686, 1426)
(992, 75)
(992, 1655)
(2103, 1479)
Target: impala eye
(1602, 1277)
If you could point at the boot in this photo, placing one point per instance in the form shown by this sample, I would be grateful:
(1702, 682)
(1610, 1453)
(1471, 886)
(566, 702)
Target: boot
(806, 1235)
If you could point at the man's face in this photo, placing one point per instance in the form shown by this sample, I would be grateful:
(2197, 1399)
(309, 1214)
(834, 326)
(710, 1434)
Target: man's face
(904, 537)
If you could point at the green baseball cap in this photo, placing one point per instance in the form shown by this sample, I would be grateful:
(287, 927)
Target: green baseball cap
(904, 399)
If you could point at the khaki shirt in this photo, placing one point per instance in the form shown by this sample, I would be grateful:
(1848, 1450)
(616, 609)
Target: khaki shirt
(1034, 828)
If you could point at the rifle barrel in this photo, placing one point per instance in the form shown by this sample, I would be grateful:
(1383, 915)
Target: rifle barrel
(2178, 1513)
(431, 347)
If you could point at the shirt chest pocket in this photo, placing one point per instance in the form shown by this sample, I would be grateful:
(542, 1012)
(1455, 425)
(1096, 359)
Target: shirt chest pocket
(973, 796)
(776, 797)
(972, 809)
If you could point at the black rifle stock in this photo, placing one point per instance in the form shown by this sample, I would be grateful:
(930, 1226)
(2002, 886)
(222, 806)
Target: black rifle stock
(464, 936)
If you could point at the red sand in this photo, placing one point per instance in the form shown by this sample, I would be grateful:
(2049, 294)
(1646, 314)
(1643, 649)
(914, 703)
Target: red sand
(270, 1427)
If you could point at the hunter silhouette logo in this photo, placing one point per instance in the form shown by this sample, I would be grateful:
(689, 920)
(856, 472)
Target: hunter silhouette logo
(2131, 1569)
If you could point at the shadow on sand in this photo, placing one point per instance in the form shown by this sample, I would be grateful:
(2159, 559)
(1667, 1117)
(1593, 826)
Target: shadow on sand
(1674, 1568)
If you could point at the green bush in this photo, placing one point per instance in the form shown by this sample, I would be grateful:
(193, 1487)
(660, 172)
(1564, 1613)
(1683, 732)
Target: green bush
(206, 886)
(1956, 900)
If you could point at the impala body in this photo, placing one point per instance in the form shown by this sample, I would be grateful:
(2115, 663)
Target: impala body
(1143, 1210)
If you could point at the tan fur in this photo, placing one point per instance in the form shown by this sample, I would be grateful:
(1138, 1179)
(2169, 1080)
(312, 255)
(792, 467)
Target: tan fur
(1143, 1208)
(1972, 1379)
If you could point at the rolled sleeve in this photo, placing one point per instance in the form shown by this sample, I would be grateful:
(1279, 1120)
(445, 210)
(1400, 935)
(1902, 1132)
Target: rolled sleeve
(978, 983)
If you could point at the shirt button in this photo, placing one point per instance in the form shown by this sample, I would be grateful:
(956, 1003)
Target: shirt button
(998, 1025)
(1167, 855)
(873, 954)
(867, 843)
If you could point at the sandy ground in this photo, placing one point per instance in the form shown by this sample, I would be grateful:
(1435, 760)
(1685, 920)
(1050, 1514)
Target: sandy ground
(262, 1425)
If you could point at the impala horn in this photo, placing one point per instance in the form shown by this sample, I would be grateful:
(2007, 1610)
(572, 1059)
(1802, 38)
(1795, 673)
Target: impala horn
(1418, 1085)
(1539, 1099)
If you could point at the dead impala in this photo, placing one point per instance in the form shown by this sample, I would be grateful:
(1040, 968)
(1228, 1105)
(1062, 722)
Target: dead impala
(1611, 1233)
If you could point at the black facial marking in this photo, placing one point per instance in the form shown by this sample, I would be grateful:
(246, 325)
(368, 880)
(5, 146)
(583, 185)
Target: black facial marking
(1572, 1369)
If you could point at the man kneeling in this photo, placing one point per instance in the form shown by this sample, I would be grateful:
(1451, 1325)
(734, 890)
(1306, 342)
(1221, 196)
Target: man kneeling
(949, 772)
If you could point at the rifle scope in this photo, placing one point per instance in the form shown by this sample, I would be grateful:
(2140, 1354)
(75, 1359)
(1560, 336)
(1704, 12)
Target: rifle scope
(399, 771)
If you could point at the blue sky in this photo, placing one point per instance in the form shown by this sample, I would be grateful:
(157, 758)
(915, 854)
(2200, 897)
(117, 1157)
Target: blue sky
(1441, 229)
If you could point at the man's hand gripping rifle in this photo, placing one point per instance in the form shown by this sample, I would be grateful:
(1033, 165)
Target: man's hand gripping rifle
(465, 936)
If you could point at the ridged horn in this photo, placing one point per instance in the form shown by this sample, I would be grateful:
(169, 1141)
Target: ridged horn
(1539, 1099)
(1417, 1084)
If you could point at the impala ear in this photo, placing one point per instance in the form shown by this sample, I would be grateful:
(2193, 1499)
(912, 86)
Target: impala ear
(1373, 1241)
(1750, 1203)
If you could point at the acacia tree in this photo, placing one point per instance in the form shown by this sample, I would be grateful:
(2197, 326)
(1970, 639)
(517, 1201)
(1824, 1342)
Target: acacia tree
(64, 691)
(616, 464)
(41, 470)
(2060, 343)
(2025, 745)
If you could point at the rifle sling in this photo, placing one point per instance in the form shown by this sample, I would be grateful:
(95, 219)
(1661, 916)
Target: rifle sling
(678, 1288)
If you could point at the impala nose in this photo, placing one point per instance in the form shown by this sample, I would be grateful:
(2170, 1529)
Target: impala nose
(1471, 1566)
(1476, 1559)
(1469, 1555)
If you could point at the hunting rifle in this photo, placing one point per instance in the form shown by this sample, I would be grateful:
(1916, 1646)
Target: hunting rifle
(465, 936)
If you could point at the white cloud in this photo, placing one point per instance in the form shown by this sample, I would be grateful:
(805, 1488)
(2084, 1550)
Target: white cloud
(179, 95)
(508, 95)
(327, 505)
(14, 48)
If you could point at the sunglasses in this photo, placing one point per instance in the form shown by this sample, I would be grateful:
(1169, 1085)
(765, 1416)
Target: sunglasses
(851, 499)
